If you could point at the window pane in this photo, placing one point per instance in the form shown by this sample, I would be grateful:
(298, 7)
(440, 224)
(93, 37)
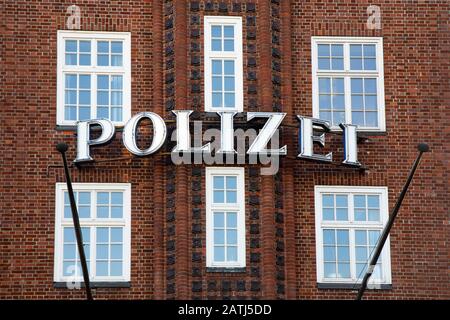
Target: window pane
(329, 253)
(374, 215)
(231, 197)
(228, 45)
(217, 83)
(102, 198)
(369, 50)
(102, 268)
(216, 31)
(71, 59)
(70, 113)
(229, 84)
(360, 238)
(116, 235)
(338, 85)
(231, 183)
(71, 81)
(357, 102)
(371, 102)
(371, 119)
(228, 67)
(325, 102)
(231, 236)
(323, 50)
(116, 47)
(337, 64)
(328, 214)
(116, 197)
(231, 220)
(373, 237)
(360, 201)
(344, 270)
(369, 64)
(361, 254)
(69, 234)
(218, 182)
(228, 31)
(84, 212)
(356, 64)
(355, 50)
(324, 85)
(69, 251)
(219, 197)
(71, 97)
(341, 214)
(216, 45)
(102, 212)
(328, 237)
(219, 254)
(116, 82)
(85, 59)
(217, 100)
(116, 268)
(116, 98)
(324, 63)
(116, 60)
(328, 200)
(338, 102)
(102, 235)
(102, 82)
(330, 270)
(116, 251)
(71, 46)
(231, 253)
(102, 251)
(373, 201)
(337, 50)
(219, 220)
(357, 85)
(343, 254)
(85, 113)
(85, 81)
(341, 201)
(229, 100)
(102, 60)
(342, 237)
(116, 212)
(360, 214)
(358, 118)
(85, 97)
(102, 98)
(103, 46)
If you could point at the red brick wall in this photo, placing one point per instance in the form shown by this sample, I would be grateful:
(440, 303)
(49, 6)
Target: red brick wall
(168, 216)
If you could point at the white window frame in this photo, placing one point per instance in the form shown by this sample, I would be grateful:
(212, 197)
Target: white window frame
(61, 222)
(235, 55)
(93, 69)
(352, 225)
(239, 208)
(347, 73)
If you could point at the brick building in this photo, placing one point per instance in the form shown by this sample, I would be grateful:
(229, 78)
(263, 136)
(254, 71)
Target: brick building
(156, 230)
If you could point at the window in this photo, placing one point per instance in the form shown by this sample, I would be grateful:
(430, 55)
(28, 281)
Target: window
(104, 211)
(94, 76)
(349, 222)
(223, 64)
(225, 217)
(348, 81)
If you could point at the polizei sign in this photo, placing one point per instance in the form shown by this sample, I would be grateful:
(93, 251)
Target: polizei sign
(224, 142)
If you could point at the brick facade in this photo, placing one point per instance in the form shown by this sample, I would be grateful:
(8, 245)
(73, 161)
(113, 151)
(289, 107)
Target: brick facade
(168, 202)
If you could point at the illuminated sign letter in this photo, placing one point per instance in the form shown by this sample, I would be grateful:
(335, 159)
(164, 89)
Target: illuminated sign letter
(307, 138)
(226, 132)
(83, 137)
(130, 132)
(350, 145)
(266, 133)
(184, 135)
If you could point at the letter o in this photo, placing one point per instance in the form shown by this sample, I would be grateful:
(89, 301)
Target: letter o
(130, 131)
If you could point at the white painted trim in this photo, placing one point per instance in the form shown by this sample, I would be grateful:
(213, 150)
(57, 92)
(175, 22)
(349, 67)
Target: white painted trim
(240, 208)
(125, 222)
(94, 70)
(352, 225)
(347, 73)
(236, 56)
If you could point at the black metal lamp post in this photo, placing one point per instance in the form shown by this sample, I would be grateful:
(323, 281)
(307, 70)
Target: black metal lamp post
(62, 148)
(422, 147)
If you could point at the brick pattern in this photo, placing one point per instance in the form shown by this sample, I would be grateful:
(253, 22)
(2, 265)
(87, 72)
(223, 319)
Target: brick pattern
(168, 202)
